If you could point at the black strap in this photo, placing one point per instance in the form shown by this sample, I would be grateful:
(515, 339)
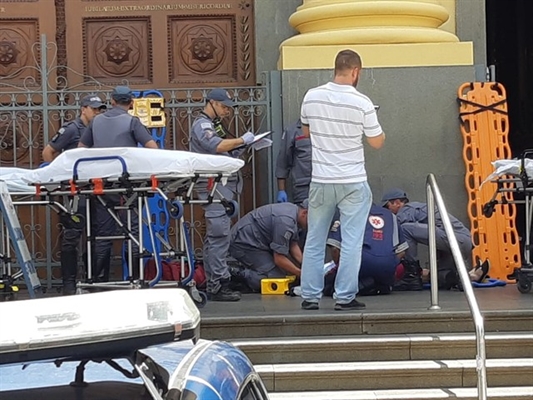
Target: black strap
(482, 107)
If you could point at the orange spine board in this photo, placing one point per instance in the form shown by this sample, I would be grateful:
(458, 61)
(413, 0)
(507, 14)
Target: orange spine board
(485, 128)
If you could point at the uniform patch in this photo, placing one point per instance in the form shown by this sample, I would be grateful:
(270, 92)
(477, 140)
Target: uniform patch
(335, 226)
(209, 133)
(56, 136)
(288, 235)
(377, 234)
(376, 222)
(206, 125)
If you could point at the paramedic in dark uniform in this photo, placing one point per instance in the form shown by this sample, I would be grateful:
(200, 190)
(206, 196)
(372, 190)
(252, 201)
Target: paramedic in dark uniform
(208, 136)
(294, 160)
(265, 242)
(383, 247)
(68, 138)
(115, 128)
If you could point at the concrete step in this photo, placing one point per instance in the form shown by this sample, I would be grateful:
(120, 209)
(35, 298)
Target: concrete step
(393, 375)
(357, 323)
(384, 347)
(506, 393)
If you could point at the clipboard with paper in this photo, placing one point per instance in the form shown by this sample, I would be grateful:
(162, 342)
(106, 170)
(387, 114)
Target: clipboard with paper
(261, 141)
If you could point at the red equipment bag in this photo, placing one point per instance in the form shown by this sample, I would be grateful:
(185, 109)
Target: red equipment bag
(172, 272)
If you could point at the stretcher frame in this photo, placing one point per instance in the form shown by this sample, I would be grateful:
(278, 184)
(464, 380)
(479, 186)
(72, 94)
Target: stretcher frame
(135, 192)
(521, 184)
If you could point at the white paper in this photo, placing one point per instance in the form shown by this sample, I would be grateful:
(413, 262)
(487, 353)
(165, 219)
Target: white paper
(261, 144)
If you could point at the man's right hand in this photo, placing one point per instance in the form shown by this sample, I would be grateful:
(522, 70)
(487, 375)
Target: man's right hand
(248, 138)
(282, 196)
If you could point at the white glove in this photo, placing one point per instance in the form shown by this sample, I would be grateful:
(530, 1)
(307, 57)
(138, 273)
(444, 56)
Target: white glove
(248, 138)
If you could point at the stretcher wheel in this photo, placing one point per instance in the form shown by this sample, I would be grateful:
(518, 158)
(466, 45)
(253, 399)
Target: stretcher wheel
(523, 284)
(175, 209)
(232, 208)
(199, 297)
(203, 301)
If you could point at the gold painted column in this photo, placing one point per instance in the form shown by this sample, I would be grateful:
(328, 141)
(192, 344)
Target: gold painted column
(387, 33)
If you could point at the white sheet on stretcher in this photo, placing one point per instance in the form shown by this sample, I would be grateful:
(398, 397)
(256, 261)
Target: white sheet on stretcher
(510, 167)
(140, 162)
(13, 178)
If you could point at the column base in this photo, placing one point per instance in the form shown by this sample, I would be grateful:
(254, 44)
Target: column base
(379, 55)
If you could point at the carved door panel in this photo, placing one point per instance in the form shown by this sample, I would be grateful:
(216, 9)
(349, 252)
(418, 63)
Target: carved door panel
(160, 43)
(21, 24)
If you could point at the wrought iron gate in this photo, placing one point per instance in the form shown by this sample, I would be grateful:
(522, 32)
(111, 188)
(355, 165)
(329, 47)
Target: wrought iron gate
(32, 111)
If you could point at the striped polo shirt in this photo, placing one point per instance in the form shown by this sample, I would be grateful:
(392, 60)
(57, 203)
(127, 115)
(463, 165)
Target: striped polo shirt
(338, 117)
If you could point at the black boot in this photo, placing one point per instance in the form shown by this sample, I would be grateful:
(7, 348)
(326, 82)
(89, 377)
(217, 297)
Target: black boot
(367, 287)
(225, 293)
(449, 279)
(412, 277)
(69, 270)
(101, 269)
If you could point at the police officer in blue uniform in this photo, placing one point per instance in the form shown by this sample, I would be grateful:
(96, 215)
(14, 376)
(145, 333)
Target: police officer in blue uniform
(294, 160)
(265, 242)
(115, 128)
(208, 136)
(413, 217)
(68, 138)
(383, 247)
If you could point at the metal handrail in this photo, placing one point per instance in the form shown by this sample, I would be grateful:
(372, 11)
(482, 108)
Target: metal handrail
(434, 197)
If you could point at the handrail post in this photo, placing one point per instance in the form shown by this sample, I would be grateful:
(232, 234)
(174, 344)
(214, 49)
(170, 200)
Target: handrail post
(434, 197)
(432, 242)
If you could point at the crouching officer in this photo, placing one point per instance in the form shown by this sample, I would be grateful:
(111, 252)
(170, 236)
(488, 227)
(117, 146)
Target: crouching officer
(265, 241)
(383, 247)
(72, 225)
(208, 136)
(294, 160)
(115, 128)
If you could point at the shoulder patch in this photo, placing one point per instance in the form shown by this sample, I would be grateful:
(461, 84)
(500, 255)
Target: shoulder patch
(376, 222)
(288, 235)
(206, 125)
(57, 135)
(209, 133)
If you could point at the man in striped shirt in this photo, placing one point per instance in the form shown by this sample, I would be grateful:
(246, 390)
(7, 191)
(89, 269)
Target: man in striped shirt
(336, 117)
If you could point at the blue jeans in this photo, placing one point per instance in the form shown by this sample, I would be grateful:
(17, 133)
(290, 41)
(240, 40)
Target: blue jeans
(354, 201)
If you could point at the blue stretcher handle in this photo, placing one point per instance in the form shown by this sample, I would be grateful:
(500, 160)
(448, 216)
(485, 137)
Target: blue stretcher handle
(101, 158)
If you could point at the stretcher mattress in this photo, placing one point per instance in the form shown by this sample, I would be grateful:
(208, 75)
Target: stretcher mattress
(511, 167)
(139, 162)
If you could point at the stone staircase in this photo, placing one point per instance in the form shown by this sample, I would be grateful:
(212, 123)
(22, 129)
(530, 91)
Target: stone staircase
(384, 356)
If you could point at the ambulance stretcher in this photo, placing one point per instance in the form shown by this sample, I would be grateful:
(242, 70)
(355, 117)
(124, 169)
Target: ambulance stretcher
(515, 177)
(142, 178)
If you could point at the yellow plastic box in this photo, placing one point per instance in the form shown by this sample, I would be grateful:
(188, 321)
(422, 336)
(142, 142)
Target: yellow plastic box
(275, 285)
